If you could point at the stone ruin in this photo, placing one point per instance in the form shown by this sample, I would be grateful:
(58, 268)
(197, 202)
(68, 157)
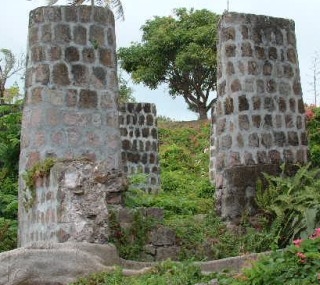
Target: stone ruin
(71, 113)
(259, 120)
(140, 146)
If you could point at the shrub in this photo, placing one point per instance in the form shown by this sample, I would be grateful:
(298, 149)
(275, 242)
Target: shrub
(313, 128)
(298, 264)
(8, 234)
(291, 204)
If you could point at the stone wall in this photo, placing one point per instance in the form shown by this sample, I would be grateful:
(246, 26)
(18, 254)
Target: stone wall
(259, 118)
(71, 204)
(139, 136)
(71, 92)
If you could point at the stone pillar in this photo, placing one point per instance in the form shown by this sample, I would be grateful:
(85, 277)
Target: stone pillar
(71, 93)
(259, 118)
(140, 148)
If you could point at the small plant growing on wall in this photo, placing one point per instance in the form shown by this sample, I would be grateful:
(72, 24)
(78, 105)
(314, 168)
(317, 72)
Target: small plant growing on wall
(39, 170)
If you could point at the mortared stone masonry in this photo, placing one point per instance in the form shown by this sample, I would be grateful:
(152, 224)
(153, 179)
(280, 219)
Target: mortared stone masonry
(140, 144)
(258, 120)
(70, 111)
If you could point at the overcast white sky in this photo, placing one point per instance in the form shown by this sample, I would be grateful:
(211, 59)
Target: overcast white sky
(306, 14)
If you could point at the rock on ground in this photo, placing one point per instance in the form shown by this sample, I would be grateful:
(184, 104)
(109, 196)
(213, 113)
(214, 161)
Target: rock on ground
(55, 263)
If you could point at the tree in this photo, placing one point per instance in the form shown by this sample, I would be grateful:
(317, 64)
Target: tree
(114, 4)
(125, 92)
(180, 52)
(9, 66)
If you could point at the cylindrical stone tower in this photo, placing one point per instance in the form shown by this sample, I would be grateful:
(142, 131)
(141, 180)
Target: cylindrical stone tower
(259, 118)
(71, 91)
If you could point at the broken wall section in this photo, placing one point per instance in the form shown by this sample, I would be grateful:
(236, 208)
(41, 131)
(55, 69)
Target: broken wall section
(71, 204)
(140, 144)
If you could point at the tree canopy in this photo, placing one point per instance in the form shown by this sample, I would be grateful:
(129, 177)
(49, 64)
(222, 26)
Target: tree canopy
(9, 66)
(179, 51)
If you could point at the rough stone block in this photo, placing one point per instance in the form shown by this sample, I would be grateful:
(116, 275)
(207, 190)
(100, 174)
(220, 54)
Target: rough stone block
(62, 33)
(60, 74)
(88, 99)
(42, 74)
(230, 50)
(105, 57)
(163, 236)
(97, 35)
(55, 263)
(171, 252)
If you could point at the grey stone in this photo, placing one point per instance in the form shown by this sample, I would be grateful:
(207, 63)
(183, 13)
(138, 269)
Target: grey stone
(163, 236)
(62, 33)
(55, 263)
(230, 50)
(88, 99)
(60, 74)
(170, 252)
(243, 103)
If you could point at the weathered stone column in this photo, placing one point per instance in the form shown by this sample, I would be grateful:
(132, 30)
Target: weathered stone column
(259, 118)
(140, 147)
(71, 103)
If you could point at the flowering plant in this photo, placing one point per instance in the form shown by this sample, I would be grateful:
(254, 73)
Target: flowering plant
(310, 111)
(298, 264)
(308, 250)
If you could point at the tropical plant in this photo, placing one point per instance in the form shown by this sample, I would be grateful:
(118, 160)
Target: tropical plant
(298, 264)
(10, 120)
(179, 51)
(291, 204)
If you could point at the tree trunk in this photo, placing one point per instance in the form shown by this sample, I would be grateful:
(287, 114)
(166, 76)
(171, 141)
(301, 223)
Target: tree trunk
(202, 111)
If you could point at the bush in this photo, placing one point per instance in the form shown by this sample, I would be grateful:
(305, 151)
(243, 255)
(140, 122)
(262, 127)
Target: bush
(8, 234)
(10, 125)
(299, 264)
(313, 128)
(291, 204)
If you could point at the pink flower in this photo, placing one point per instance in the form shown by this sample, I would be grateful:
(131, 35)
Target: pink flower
(301, 255)
(316, 234)
(309, 114)
(297, 242)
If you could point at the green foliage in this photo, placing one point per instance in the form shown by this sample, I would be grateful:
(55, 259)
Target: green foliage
(130, 241)
(291, 204)
(125, 92)
(39, 170)
(187, 197)
(10, 125)
(163, 274)
(164, 119)
(313, 127)
(298, 264)
(8, 234)
(179, 51)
